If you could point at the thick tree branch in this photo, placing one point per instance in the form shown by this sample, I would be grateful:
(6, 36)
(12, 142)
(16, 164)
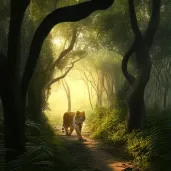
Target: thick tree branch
(66, 51)
(133, 18)
(66, 14)
(153, 23)
(125, 60)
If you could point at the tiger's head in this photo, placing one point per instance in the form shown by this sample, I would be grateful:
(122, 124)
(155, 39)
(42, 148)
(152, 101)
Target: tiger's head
(80, 117)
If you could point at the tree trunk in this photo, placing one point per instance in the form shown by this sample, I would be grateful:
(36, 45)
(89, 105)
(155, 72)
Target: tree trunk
(68, 94)
(14, 122)
(35, 99)
(137, 112)
(141, 47)
(89, 93)
(100, 89)
(165, 98)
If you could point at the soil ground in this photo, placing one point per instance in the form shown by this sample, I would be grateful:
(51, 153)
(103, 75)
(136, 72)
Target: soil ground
(90, 156)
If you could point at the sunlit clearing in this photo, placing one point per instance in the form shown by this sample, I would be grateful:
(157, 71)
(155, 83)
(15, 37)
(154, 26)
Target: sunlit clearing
(58, 102)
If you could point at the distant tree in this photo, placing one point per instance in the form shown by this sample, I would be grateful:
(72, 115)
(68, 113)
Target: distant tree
(68, 93)
(161, 69)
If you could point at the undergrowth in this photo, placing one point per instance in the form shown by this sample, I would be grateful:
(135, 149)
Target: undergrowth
(149, 150)
(44, 152)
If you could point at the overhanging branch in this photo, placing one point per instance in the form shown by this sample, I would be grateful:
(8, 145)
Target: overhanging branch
(66, 14)
(64, 75)
(59, 78)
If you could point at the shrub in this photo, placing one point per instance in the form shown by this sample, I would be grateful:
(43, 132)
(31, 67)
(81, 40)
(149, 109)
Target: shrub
(44, 151)
(150, 150)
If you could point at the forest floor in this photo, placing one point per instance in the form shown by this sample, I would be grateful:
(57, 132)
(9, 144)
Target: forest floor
(92, 156)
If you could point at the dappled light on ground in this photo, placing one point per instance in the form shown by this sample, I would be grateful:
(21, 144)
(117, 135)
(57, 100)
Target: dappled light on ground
(98, 159)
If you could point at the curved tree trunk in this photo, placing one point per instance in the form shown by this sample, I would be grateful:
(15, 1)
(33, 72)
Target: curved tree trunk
(137, 111)
(12, 100)
(141, 47)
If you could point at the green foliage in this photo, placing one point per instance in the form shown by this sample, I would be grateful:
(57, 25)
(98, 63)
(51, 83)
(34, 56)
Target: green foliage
(149, 150)
(138, 147)
(160, 132)
(44, 151)
(107, 125)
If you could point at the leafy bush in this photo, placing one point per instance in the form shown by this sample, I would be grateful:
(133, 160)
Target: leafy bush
(108, 126)
(150, 150)
(138, 146)
(159, 128)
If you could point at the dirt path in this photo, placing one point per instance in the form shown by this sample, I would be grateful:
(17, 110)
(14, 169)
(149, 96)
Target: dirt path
(91, 156)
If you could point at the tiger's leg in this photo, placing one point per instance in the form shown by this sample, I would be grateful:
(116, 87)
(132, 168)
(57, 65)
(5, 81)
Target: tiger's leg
(66, 130)
(71, 130)
(77, 129)
(78, 133)
(81, 125)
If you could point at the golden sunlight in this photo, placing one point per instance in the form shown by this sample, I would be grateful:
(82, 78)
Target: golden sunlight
(58, 103)
(57, 41)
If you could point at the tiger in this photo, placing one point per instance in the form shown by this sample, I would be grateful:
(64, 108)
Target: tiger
(73, 120)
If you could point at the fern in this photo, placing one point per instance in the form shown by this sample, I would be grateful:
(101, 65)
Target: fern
(40, 154)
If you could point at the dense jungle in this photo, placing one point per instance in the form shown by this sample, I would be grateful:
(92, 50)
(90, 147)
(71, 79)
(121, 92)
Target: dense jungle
(84, 85)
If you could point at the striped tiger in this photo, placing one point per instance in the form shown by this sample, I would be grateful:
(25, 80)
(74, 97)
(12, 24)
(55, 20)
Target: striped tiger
(73, 120)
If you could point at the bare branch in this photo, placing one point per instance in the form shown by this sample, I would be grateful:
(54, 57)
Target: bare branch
(94, 86)
(64, 75)
(59, 78)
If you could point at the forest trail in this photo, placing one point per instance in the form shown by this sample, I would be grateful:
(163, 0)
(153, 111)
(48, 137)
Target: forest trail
(91, 155)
